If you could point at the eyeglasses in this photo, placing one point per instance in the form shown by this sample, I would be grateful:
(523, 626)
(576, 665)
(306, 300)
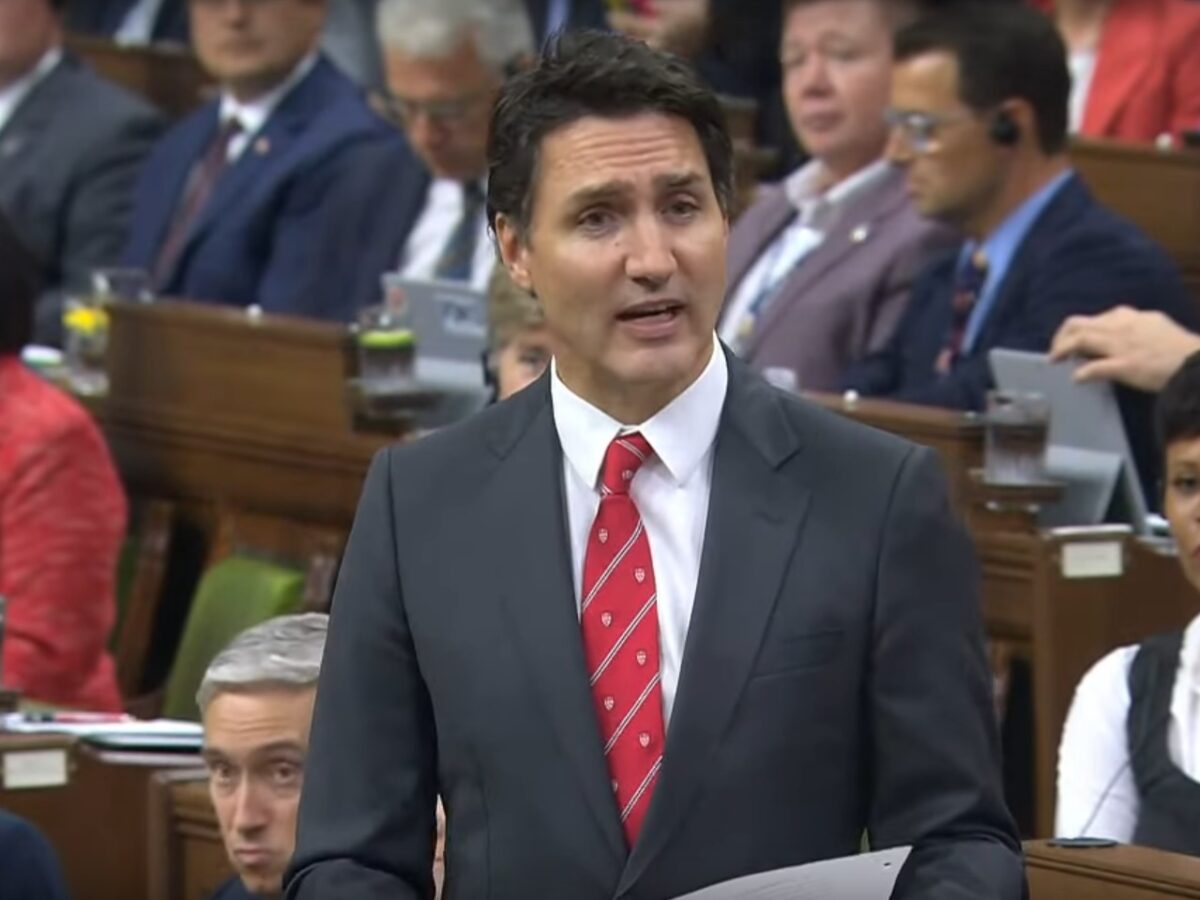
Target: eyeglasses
(443, 112)
(919, 129)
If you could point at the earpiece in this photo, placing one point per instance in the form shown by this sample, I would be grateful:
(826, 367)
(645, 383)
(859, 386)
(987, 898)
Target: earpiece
(1005, 131)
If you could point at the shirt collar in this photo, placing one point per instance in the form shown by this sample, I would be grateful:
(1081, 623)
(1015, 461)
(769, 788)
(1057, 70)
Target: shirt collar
(1189, 655)
(253, 115)
(12, 96)
(1002, 245)
(681, 433)
(802, 188)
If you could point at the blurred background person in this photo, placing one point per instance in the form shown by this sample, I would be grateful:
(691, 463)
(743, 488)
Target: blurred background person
(71, 146)
(1135, 66)
(446, 61)
(28, 863)
(979, 103)
(62, 520)
(256, 702)
(821, 266)
(1129, 761)
(238, 203)
(519, 344)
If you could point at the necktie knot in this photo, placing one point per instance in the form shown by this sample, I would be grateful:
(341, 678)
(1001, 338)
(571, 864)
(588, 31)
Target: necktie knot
(624, 457)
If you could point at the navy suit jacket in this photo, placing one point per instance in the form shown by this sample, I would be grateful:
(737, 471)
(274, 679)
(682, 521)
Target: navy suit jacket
(269, 234)
(1079, 258)
(233, 889)
(387, 206)
(104, 17)
(28, 866)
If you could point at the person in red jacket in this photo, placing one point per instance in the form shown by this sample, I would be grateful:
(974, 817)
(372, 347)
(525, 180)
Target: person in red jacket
(1135, 66)
(62, 519)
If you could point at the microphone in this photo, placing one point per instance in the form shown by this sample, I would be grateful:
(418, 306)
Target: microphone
(1082, 839)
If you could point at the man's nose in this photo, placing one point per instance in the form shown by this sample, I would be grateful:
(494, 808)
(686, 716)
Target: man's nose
(651, 258)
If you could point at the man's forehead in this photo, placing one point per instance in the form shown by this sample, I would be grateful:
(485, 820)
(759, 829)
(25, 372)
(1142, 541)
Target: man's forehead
(932, 76)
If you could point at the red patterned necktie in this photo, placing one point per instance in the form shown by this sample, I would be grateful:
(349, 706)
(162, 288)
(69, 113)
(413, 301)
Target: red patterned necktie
(968, 284)
(619, 618)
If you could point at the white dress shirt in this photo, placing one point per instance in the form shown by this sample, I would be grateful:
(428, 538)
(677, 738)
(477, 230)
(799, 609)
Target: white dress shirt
(253, 115)
(1094, 754)
(442, 212)
(138, 25)
(671, 491)
(12, 96)
(1083, 67)
(816, 214)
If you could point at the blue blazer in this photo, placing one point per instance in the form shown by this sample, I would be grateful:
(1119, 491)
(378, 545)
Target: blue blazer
(28, 866)
(268, 234)
(1079, 258)
(386, 196)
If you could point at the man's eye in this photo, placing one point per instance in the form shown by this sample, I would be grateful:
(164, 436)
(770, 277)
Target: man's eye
(595, 220)
(1185, 484)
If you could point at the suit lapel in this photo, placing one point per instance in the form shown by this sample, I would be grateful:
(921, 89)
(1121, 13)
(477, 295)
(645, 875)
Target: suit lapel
(527, 509)
(852, 230)
(31, 119)
(1128, 47)
(744, 252)
(755, 514)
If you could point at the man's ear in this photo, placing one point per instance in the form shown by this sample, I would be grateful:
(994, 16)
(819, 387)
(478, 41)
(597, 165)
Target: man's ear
(514, 252)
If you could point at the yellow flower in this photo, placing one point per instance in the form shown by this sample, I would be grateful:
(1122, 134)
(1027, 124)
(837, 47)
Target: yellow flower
(85, 319)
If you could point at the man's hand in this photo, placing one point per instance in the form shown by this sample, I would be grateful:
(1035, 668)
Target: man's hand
(676, 26)
(1138, 349)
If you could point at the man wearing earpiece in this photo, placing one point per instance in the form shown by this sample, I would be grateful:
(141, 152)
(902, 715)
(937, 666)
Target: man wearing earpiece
(979, 121)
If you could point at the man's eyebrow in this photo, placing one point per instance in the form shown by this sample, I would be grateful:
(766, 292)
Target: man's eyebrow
(677, 181)
(609, 190)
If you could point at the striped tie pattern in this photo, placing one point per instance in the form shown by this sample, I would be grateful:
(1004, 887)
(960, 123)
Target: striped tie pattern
(619, 618)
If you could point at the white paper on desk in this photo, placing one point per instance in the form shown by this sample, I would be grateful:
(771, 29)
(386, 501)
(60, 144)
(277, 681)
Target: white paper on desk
(868, 876)
(134, 728)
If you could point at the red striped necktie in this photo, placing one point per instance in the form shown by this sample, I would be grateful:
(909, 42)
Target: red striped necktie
(619, 618)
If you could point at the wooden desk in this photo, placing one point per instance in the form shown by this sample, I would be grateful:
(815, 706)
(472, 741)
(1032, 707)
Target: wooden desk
(168, 77)
(1111, 873)
(186, 853)
(94, 814)
(1157, 190)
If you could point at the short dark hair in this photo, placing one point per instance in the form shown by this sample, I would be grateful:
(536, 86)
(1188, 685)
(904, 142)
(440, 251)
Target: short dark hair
(1178, 410)
(20, 281)
(1004, 51)
(594, 73)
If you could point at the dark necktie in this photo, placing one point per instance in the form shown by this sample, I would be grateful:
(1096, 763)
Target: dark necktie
(619, 619)
(196, 194)
(454, 264)
(968, 285)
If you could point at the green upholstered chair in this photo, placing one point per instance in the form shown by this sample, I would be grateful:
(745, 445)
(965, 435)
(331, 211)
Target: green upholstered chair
(233, 595)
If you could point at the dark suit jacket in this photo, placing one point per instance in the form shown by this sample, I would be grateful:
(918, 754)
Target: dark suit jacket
(104, 17)
(267, 235)
(69, 157)
(29, 869)
(1077, 259)
(233, 889)
(833, 678)
(845, 299)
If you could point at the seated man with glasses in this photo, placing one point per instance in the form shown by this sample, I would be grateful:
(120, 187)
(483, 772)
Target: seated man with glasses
(236, 204)
(979, 116)
(444, 65)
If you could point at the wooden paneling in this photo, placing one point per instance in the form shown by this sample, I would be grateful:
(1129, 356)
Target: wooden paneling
(187, 859)
(168, 77)
(1111, 873)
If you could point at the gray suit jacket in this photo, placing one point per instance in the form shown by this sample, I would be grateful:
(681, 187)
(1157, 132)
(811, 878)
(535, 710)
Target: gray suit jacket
(833, 678)
(68, 160)
(844, 300)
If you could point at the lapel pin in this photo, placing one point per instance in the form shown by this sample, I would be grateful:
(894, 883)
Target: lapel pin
(262, 146)
(860, 234)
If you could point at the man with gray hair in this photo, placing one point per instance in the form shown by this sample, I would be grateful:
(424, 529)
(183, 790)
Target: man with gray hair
(256, 702)
(445, 61)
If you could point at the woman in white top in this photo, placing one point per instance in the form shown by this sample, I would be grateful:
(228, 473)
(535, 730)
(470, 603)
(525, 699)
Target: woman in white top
(1129, 762)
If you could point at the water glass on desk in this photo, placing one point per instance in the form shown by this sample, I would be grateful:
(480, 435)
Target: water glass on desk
(385, 344)
(1017, 429)
(85, 324)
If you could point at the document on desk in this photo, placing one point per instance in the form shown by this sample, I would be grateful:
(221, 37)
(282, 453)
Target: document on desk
(868, 876)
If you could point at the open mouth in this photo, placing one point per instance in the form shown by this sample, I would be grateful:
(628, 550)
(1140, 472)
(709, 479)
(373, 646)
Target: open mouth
(652, 313)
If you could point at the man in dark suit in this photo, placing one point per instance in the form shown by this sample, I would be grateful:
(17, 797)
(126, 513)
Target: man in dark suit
(650, 623)
(71, 145)
(236, 204)
(445, 64)
(821, 266)
(28, 863)
(131, 21)
(980, 107)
